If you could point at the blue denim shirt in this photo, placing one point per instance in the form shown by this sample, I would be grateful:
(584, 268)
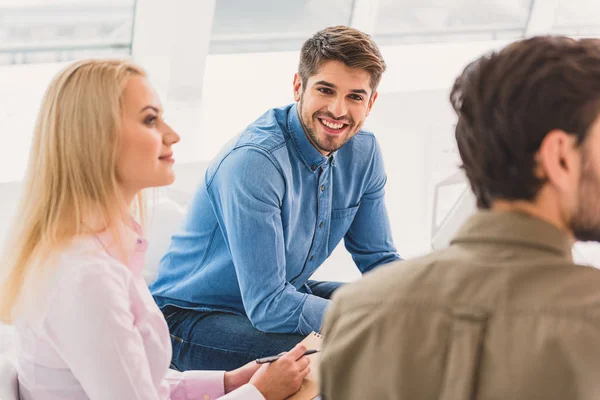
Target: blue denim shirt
(269, 211)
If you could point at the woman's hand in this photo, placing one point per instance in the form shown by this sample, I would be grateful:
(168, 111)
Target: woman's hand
(239, 377)
(282, 378)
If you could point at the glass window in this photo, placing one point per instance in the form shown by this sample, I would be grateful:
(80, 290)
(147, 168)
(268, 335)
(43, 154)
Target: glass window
(41, 31)
(441, 20)
(577, 18)
(242, 26)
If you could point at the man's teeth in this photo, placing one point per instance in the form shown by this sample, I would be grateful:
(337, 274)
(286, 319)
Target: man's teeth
(332, 126)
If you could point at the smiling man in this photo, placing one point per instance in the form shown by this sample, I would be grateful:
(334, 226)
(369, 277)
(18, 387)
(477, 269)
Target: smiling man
(273, 205)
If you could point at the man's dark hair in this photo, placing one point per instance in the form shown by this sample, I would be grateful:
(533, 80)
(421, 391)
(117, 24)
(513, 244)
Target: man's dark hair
(508, 101)
(354, 48)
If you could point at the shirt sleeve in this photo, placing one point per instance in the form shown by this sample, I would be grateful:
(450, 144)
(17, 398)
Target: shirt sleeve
(191, 385)
(369, 239)
(92, 326)
(248, 188)
(246, 392)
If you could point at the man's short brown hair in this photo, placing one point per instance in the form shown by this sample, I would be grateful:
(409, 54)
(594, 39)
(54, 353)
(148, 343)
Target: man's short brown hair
(354, 48)
(508, 101)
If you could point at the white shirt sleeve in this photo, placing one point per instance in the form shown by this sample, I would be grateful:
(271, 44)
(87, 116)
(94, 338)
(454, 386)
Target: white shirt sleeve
(93, 323)
(207, 385)
(92, 326)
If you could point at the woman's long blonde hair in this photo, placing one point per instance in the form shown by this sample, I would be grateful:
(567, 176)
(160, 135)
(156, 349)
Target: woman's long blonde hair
(71, 173)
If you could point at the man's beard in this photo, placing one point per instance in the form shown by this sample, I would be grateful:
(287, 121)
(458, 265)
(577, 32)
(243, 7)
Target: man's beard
(323, 145)
(585, 224)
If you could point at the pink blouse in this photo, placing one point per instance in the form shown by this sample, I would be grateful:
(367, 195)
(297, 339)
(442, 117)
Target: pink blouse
(97, 334)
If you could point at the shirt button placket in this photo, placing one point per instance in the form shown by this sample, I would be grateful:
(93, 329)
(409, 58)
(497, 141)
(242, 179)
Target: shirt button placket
(320, 225)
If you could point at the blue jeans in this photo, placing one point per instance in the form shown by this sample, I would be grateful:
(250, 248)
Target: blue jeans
(224, 341)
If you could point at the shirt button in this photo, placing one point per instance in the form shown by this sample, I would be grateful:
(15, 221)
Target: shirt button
(313, 167)
(321, 224)
(311, 258)
(322, 188)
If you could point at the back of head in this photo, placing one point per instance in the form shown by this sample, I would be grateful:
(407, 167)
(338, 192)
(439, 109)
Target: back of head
(508, 101)
(354, 48)
(71, 174)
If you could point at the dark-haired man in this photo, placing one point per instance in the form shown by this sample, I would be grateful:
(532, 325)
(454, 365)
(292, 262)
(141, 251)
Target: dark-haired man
(272, 207)
(503, 312)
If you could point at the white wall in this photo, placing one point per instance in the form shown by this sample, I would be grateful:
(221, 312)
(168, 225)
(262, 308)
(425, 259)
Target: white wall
(412, 120)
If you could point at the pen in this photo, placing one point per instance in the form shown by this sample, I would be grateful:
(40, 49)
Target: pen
(270, 359)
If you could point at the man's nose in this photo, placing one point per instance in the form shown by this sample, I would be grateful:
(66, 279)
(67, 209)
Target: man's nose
(338, 107)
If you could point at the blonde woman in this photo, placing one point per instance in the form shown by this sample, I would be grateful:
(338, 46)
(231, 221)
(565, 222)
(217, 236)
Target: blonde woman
(87, 325)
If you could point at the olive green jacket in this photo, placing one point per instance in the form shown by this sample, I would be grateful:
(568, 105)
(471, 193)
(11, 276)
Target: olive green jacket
(502, 313)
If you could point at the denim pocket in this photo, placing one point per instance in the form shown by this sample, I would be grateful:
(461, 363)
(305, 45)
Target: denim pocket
(344, 212)
(341, 220)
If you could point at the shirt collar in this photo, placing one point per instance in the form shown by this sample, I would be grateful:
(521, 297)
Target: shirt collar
(308, 153)
(514, 227)
(136, 258)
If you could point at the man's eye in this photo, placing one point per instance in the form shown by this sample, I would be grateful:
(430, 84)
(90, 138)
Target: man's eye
(325, 90)
(356, 97)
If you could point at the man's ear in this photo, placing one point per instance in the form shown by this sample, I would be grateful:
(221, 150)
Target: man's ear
(371, 102)
(559, 160)
(297, 87)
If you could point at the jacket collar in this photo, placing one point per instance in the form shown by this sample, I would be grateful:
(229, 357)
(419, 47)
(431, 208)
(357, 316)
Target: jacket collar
(514, 228)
